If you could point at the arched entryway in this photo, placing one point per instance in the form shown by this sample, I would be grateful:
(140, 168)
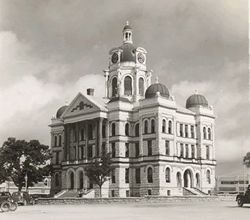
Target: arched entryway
(187, 177)
(80, 186)
(71, 180)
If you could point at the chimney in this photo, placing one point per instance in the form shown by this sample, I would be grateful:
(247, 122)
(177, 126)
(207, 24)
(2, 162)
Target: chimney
(90, 91)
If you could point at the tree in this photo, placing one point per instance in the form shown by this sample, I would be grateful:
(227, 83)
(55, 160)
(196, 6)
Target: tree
(99, 170)
(19, 158)
(246, 160)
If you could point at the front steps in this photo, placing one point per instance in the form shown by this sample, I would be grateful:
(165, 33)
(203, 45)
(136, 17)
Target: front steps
(187, 191)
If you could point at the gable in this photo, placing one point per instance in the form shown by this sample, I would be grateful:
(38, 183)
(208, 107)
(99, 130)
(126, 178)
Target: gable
(81, 105)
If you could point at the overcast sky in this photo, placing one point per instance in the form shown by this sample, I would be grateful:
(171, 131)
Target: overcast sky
(51, 50)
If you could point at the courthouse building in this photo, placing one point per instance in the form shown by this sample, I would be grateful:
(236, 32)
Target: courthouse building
(157, 146)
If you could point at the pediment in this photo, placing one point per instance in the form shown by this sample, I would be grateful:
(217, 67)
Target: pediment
(80, 105)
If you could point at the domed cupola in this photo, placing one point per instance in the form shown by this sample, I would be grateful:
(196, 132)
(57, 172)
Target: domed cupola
(60, 111)
(157, 87)
(196, 100)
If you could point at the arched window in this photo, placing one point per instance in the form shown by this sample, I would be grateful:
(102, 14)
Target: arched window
(81, 105)
(167, 175)
(170, 127)
(141, 86)
(128, 85)
(209, 134)
(178, 179)
(187, 151)
(163, 126)
(113, 129)
(137, 130)
(55, 141)
(204, 133)
(207, 153)
(127, 129)
(145, 126)
(150, 175)
(208, 177)
(57, 181)
(152, 126)
(114, 86)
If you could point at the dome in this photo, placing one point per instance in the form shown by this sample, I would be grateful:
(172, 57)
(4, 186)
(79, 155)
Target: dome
(128, 53)
(60, 111)
(127, 27)
(196, 100)
(157, 87)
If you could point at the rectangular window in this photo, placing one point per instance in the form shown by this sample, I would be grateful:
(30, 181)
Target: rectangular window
(137, 149)
(207, 153)
(57, 157)
(149, 192)
(60, 140)
(112, 193)
(90, 151)
(126, 149)
(113, 176)
(167, 148)
(127, 193)
(181, 130)
(113, 150)
(192, 131)
(181, 150)
(193, 151)
(138, 175)
(169, 192)
(80, 152)
(126, 175)
(149, 148)
(90, 132)
(186, 130)
(103, 148)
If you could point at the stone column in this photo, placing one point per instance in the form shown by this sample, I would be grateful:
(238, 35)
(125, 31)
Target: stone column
(77, 141)
(100, 136)
(107, 136)
(141, 136)
(87, 140)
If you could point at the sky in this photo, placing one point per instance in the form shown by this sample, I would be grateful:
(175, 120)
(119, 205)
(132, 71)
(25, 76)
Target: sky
(52, 49)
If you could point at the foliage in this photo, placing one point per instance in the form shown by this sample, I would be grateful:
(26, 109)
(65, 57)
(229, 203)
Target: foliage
(19, 158)
(99, 170)
(246, 159)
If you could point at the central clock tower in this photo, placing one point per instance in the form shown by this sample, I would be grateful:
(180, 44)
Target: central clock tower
(127, 75)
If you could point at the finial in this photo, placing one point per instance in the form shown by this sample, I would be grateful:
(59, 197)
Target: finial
(127, 22)
(156, 79)
(196, 91)
(66, 102)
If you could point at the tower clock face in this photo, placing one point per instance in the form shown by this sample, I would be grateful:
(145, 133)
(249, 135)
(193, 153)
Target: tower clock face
(141, 58)
(114, 58)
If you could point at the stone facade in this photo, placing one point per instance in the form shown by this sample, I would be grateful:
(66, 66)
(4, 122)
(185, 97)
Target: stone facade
(158, 147)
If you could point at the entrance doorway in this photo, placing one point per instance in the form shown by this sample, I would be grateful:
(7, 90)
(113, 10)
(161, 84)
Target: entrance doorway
(188, 179)
(72, 181)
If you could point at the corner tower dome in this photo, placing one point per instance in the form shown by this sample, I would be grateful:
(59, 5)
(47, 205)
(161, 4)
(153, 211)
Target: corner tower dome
(60, 111)
(157, 87)
(196, 100)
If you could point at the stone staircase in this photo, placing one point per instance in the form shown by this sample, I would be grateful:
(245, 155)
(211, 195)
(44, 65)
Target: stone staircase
(74, 194)
(192, 192)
